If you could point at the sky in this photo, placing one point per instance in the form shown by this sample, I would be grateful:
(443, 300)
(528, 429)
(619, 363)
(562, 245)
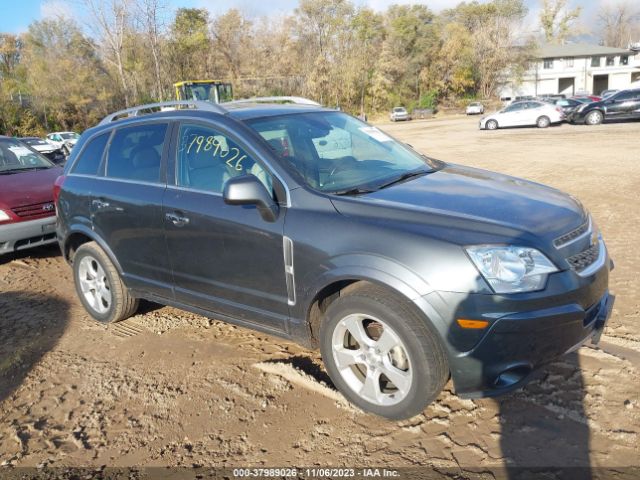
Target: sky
(16, 15)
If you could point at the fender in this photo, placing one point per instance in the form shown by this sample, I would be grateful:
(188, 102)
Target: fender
(375, 269)
(87, 231)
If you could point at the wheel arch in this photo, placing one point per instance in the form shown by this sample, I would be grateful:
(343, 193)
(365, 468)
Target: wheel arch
(334, 284)
(81, 234)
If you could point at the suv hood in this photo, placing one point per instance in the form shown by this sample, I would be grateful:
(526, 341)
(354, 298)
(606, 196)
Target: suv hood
(504, 204)
(29, 187)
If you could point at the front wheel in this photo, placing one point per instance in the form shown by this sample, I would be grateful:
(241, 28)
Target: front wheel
(491, 125)
(98, 284)
(595, 118)
(381, 355)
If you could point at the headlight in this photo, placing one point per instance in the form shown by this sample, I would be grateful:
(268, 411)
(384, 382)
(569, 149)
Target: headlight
(4, 216)
(582, 107)
(511, 269)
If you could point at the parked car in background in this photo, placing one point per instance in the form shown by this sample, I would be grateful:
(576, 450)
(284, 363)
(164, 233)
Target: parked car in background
(526, 113)
(623, 105)
(475, 108)
(64, 140)
(46, 148)
(27, 210)
(551, 97)
(399, 114)
(608, 93)
(587, 98)
(568, 105)
(403, 270)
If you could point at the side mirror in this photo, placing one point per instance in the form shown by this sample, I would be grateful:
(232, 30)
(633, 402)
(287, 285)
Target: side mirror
(248, 190)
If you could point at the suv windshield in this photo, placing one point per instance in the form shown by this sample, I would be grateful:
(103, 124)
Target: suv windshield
(15, 156)
(336, 153)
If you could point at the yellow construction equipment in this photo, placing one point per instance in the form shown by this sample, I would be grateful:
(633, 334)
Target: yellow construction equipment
(214, 91)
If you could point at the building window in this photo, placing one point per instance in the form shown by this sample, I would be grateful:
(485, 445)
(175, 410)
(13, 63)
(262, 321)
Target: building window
(568, 62)
(595, 61)
(610, 61)
(624, 60)
(548, 63)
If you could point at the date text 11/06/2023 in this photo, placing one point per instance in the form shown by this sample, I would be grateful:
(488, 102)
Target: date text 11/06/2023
(317, 472)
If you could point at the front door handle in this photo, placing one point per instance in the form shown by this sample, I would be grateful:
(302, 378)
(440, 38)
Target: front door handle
(176, 219)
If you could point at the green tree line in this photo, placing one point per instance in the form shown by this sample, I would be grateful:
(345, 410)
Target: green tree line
(67, 74)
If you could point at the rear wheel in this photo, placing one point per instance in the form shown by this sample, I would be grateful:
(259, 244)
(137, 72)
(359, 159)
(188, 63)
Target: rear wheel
(594, 118)
(382, 356)
(491, 125)
(543, 122)
(99, 286)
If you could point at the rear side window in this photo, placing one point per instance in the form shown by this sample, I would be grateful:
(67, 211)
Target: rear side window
(136, 152)
(91, 156)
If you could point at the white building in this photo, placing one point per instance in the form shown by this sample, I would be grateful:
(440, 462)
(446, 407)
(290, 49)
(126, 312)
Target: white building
(576, 68)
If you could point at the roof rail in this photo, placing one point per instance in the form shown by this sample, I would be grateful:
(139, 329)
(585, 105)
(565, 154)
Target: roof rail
(135, 111)
(296, 100)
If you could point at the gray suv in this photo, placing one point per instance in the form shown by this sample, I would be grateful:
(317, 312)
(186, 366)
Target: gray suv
(306, 223)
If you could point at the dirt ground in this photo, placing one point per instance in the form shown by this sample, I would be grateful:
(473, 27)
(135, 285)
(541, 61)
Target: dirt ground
(169, 388)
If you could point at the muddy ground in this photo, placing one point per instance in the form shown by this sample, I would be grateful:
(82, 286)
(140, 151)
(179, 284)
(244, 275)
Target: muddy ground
(169, 388)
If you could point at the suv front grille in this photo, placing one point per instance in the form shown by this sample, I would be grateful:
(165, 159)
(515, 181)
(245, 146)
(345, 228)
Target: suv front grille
(572, 235)
(584, 259)
(35, 210)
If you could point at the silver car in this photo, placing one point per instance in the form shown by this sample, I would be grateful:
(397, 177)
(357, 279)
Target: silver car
(475, 108)
(398, 114)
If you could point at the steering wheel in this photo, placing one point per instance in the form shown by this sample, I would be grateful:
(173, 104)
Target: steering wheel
(340, 166)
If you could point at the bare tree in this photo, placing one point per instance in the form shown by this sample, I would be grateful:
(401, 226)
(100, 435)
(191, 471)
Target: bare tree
(558, 22)
(110, 21)
(620, 24)
(150, 15)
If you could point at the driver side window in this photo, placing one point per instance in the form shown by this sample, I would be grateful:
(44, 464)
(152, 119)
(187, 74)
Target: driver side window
(207, 159)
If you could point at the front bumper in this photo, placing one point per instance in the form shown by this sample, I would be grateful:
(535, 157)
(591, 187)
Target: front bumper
(28, 234)
(526, 331)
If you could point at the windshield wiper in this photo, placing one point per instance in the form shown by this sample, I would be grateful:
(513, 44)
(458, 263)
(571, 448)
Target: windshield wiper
(403, 177)
(16, 170)
(353, 191)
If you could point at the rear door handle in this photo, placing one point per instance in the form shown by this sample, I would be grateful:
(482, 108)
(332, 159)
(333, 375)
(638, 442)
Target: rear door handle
(100, 204)
(176, 219)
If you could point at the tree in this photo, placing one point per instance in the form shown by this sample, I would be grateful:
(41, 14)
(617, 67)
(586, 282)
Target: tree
(232, 36)
(110, 21)
(557, 21)
(620, 24)
(149, 14)
(65, 77)
(497, 47)
(190, 43)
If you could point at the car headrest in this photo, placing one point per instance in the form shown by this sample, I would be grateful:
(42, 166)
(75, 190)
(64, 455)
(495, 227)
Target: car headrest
(145, 157)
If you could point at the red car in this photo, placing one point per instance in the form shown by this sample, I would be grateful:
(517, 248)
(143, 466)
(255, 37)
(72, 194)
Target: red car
(27, 210)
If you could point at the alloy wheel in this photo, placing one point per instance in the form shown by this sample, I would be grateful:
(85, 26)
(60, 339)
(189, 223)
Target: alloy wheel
(94, 284)
(372, 359)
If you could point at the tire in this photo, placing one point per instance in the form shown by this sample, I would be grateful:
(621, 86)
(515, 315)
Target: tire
(491, 125)
(407, 349)
(543, 122)
(99, 286)
(594, 118)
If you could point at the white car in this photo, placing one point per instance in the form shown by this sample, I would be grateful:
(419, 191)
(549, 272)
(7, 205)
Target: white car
(63, 140)
(475, 108)
(521, 114)
(399, 113)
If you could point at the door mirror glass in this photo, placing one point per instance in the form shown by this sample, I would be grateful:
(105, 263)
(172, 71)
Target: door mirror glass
(249, 190)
